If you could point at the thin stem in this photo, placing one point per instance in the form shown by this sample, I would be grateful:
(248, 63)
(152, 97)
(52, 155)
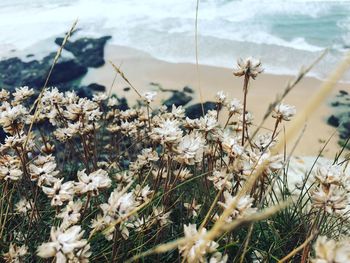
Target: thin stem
(245, 90)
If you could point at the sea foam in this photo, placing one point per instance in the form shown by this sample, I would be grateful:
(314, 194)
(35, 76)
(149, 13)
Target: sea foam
(284, 34)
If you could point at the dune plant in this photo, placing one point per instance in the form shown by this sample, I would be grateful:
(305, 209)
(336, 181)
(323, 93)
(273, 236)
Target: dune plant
(82, 180)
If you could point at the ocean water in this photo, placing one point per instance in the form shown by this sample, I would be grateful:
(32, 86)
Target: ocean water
(284, 34)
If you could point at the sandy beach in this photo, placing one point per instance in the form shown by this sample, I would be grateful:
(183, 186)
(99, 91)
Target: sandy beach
(141, 69)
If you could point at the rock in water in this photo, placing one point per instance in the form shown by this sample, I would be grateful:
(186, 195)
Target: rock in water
(88, 51)
(195, 111)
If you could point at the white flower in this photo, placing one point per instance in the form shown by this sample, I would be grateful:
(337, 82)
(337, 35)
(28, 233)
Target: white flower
(160, 216)
(193, 208)
(99, 97)
(168, 131)
(231, 145)
(221, 180)
(332, 174)
(208, 122)
(250, 67)
(178, 112)
(217, 257)
(10, 168)
(284, 112)
(243, 206)
(196, 247)
(93, 182)
(43, 170)
(23, 206)
(12, 118)
(332, 199)
(22, 93)
(59, 192)
(190, 149)
(220, 97)
(4, 95)
(119, 204)
(149, 96)
(70, 214)
(235, 106)
(263, 141)
(15, 254)
(64, 244)
(331, 251)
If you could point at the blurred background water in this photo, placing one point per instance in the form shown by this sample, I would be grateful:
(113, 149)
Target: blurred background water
(284, 34)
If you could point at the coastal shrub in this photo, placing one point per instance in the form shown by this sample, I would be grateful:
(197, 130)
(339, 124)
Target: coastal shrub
(82, 180)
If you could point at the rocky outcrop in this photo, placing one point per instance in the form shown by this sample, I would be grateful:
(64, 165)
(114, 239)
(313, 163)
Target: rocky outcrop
(14, 72)
(89, 52)
(67, 72)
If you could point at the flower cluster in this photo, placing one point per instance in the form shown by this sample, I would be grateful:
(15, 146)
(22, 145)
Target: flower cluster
(86, 180)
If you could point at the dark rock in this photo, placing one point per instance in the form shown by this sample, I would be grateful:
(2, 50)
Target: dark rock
(123, 104)
(344, 130)
(88, 51)
(65, 69)
(10, 72)
(126, 88)
(195, 111)
(3, 135)
(96, 87)
(30, 55)
(14, 72)
(343, 92)
(333, 121)
(178, 99)
(188, 90)
(84, 92)
(335, 103)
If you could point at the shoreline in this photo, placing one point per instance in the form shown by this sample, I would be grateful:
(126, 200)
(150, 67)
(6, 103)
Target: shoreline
(141, 69)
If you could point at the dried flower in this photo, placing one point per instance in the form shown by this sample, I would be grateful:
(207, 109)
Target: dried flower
(231, 145)
(284, 112)
(65, 244)
(331, 251)
(220, 97)
(43, 170)
(190, 149)
(70, 214)
(168, 131)
(149, 96)
(330, 175)
(93, 182)
(10, 168)
(221, 179)
(249, 67)
(193, 208)
(23, 206)
(333, 199)
(242, 208)
(16, 254)
(59, 192)
(196, 247)
(234, 106)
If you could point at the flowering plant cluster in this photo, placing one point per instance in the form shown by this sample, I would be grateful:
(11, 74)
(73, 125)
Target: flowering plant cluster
(82, 180)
